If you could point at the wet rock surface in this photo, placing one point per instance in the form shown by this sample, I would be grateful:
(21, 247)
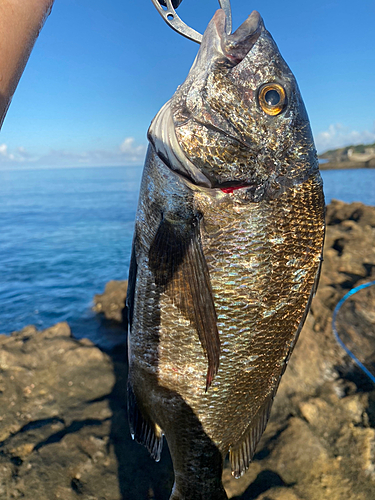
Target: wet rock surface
(63, 421)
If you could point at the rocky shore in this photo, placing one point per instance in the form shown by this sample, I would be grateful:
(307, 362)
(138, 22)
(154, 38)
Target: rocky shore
(346, 165)
(63, 422)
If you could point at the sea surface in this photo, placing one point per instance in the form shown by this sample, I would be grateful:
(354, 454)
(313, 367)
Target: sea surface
(64, 233)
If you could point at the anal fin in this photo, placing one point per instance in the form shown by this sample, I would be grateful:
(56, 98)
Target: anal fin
(241, 454)
(142, 429)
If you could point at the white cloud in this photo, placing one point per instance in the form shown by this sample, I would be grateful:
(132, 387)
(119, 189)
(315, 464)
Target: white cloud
(338, 136)
(4, 155)
(127, 153)
(128, 146)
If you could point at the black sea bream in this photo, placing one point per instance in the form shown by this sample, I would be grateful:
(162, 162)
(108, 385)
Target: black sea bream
(226, 256)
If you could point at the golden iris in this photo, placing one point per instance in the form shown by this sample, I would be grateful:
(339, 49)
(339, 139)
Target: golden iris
(272, 98)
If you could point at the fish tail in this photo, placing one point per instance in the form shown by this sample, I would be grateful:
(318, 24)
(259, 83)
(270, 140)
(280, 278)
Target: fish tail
(197, 461)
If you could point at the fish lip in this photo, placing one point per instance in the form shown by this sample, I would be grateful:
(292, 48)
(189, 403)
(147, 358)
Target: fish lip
(230, 187)
(237, 45)
(224, 189)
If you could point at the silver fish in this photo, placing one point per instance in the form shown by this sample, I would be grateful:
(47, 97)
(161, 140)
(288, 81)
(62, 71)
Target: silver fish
(226, 256)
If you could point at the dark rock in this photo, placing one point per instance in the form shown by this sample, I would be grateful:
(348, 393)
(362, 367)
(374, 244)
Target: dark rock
(63, 422)
(64, 432)
(112, 302)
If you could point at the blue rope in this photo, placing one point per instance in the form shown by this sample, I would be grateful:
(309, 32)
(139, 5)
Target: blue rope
(337, 308)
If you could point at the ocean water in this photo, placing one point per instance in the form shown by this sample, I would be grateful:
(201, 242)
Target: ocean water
(350, 185)
(64, 233)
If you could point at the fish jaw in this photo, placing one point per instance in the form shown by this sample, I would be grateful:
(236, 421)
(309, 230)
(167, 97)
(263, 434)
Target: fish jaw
(161, 134)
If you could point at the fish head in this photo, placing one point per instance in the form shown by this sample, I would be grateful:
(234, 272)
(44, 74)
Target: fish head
(239, 117)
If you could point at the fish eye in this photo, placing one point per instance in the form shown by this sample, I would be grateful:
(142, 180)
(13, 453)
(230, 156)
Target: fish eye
(272, 98)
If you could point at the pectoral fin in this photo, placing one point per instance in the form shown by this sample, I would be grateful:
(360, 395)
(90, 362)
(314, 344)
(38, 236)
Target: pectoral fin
(179, 266)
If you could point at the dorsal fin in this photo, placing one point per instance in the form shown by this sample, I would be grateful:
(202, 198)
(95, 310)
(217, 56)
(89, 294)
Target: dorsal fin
(241, 454)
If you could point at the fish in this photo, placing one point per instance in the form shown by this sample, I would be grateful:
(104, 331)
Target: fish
(226, 257)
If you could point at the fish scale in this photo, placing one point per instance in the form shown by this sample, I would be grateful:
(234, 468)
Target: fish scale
(256, 281)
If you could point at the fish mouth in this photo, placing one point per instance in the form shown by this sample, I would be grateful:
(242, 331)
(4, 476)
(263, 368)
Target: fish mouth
(162, 136)
(230, 187)
(237, 45)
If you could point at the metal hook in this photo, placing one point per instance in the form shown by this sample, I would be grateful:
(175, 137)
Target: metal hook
(175, 22)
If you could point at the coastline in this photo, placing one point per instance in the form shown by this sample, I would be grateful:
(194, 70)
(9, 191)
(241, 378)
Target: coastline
(346, 165)
(63, 423)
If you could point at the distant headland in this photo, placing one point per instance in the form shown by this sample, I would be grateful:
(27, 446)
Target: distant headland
(360, 156)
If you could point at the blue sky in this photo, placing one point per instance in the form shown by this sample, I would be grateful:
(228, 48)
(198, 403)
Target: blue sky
(101, 70)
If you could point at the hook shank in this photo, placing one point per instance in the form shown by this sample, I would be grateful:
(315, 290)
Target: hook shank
(171, 17)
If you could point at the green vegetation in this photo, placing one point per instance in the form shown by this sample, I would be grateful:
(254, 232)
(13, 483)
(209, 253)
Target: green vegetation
(361, 148)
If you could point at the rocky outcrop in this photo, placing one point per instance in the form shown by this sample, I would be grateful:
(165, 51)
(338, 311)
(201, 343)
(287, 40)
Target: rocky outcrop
(55, 418)
(111, 303)
(367, 155)
(63, 423)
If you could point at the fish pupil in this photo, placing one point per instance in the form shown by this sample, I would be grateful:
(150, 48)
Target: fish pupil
(272, 97)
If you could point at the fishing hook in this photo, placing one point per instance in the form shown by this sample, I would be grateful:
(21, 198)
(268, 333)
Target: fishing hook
(175, 22)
